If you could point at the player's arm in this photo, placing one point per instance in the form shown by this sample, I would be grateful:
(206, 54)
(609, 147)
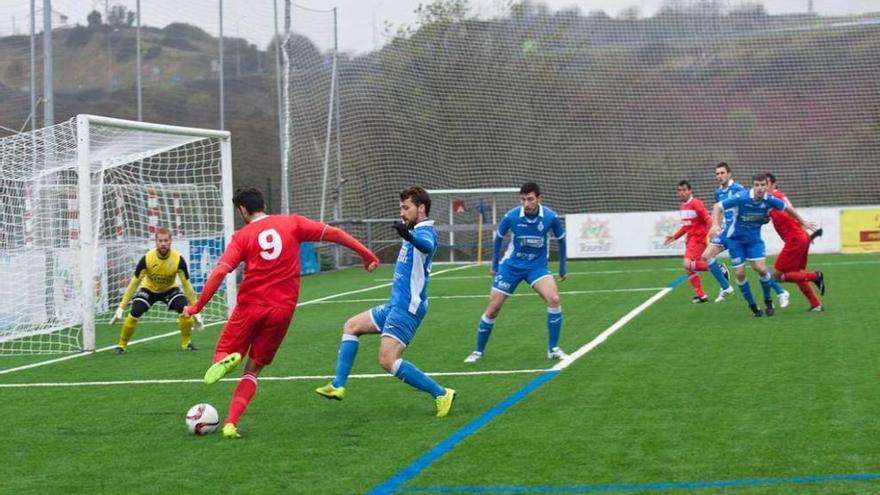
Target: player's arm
(139, 273)
(717, 215)
(423, 243)
(183, 273)
(233, 256)
(310, 230)
(677, 235)
(559, 232)
(503, 227)
(809, 225)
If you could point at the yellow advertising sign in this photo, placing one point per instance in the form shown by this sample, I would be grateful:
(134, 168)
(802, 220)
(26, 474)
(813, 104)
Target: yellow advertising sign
(860, 231)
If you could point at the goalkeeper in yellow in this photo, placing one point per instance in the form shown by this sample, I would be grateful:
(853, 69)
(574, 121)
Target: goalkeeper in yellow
(155, 279)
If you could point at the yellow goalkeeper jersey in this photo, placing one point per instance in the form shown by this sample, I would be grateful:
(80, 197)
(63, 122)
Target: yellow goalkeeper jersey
(159, 275)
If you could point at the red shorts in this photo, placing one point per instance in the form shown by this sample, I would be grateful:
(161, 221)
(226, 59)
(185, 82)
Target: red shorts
(793, 257)
(694, 249)
(255, 330)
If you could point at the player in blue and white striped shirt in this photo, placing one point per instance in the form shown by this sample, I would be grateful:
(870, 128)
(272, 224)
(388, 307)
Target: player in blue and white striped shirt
(525, 259)
(398, 319)
(743, 235)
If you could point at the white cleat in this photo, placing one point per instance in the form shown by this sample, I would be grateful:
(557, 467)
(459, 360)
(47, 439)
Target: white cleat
(817, 309)
(474, 357)
(557, 354)
(724, 294)
(783, 299)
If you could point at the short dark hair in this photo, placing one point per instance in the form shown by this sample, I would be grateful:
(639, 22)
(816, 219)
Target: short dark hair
(251, 198)
(723, 165)
(759, 177)
(685, 184)
(530, 187)
(418, 196)
(771, 177)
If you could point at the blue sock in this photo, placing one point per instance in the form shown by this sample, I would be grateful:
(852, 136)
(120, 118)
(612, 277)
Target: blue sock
(554, 327)
(766, 284)
(776, 286)
(715, 268)
(484, 330)
(348, 350)
(746, 291)
(412, 376)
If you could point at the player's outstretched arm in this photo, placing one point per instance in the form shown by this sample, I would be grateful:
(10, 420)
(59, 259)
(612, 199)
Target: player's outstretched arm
(809, 225)
(343, 238)
(211, 286)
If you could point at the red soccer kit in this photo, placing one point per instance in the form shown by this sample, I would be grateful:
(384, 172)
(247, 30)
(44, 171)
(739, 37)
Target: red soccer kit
(695, 222)
(269, 248)
(795, 249)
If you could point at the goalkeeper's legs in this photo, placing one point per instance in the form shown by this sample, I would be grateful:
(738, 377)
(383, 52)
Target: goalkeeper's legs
(139, 306)
(185, 323)
(128, 327)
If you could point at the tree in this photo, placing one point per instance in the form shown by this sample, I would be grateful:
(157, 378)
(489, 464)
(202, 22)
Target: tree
(120, 16)
(94, 19)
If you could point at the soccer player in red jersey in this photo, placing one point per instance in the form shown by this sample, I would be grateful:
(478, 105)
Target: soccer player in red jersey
(695, 222)
(268, 245)
(792, 260)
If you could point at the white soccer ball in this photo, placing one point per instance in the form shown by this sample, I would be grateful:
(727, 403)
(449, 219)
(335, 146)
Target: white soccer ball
(202, 419)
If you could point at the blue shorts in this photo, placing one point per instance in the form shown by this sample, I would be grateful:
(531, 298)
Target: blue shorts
(742, 250)
(397, 323)
(509, 277)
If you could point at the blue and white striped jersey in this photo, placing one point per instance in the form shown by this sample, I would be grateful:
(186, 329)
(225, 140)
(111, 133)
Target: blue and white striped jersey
(750, 214)
(732, 189)
(409, 290)
(528, 245)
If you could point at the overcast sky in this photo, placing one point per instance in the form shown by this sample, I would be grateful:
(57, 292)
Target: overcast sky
(361, 22)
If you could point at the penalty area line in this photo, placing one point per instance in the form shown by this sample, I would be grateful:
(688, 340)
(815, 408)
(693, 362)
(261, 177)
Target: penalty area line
(262, 378)
(395, 483)
(169, 334)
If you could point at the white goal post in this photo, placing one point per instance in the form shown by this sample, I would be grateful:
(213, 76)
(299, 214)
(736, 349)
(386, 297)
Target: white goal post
(82, 202)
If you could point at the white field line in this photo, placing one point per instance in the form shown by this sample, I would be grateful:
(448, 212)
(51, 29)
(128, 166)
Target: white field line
(639, 270)
(154, 337)
(602, 337)
(486, 295)
(262, 378)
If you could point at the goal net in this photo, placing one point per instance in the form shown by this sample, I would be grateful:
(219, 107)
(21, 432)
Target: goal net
(81, 204)
(605, 113)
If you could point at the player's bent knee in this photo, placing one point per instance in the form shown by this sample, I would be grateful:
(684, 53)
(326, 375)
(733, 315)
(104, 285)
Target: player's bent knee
(553, 301)
(138, 308)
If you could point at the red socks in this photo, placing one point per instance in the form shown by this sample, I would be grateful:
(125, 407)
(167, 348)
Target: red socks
(807, 289)
(245, 391)
(799, 277)
(694, 279)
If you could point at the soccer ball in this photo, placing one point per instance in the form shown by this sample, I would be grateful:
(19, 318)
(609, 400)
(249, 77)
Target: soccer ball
(202, 419)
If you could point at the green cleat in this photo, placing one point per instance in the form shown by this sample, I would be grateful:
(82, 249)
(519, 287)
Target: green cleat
(331, 392)
(221, 368)
(444, 402)
(230, 432)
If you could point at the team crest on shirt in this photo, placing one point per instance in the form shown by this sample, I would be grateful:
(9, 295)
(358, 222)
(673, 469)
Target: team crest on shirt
(540, 226)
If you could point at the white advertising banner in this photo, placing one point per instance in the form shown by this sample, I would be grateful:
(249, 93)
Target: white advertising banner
(642, 234)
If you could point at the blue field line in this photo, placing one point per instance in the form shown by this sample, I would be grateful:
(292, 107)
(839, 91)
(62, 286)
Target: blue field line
(394, 483)
(642, 486)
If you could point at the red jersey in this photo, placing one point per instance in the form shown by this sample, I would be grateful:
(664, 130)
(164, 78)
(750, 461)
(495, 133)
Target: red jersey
(695, 220)
(786, 226)
(269, 248)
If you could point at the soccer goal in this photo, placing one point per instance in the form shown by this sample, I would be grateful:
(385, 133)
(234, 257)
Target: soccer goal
(81, 203)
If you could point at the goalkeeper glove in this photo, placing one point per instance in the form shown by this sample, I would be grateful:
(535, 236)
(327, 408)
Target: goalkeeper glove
(199, 322)
(120, 313)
